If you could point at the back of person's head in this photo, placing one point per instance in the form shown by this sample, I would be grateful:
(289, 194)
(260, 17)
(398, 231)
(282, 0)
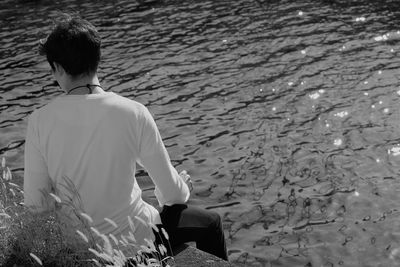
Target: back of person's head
(74, 43)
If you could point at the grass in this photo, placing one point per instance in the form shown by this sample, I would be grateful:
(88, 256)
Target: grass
(50, 239)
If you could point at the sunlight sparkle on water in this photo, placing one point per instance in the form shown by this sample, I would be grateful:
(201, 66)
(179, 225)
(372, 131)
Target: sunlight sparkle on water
(380, 72)
(360, 19)
(356, 193)
(290, 83)
(338, 142)
(381, 38)
(395, 151)
(300, 13)
(341, 114)
(386, 110)
(394, 254)
(303, 52)
(314, 95)
(366, 93)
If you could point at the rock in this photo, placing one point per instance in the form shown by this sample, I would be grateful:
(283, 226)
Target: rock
(188, 256)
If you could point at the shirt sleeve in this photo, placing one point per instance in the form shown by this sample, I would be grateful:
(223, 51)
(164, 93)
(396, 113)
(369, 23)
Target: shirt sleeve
(169, 187)
(37, 185)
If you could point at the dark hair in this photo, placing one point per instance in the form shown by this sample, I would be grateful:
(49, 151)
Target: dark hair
(74, 43)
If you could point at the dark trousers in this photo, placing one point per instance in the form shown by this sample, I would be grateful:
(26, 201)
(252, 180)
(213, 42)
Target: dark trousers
(185, 223)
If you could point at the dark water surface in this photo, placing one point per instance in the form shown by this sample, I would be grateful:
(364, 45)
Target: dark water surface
(284, 112)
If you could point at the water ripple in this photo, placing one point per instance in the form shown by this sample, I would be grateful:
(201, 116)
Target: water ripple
(284, 112)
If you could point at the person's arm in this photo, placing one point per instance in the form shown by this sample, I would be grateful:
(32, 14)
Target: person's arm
(170, 188)
(37, 185)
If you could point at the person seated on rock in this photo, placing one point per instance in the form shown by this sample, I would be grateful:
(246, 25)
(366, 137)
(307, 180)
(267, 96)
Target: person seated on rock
(95, 138)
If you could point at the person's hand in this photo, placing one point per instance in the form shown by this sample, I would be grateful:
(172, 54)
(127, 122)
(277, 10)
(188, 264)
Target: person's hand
(186, 178)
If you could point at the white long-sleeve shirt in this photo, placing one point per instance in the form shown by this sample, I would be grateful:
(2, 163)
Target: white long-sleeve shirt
(96, 140)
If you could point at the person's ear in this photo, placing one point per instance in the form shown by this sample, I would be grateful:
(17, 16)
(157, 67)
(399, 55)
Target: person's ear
(58, 68)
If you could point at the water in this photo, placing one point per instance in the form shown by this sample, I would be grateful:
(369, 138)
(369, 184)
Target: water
(285, 113)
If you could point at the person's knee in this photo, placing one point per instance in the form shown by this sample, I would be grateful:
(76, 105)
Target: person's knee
(216, 220)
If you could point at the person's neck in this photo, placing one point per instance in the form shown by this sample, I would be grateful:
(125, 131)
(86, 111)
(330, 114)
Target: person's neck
(79, 86)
